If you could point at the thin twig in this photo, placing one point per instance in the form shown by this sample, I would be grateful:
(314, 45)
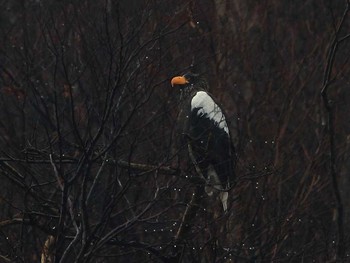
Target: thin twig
(339, 215)
(62, 186)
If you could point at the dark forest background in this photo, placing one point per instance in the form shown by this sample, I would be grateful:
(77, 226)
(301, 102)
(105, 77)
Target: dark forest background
(87, 120)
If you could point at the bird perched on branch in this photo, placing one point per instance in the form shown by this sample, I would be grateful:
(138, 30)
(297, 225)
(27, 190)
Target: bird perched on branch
(207, 135)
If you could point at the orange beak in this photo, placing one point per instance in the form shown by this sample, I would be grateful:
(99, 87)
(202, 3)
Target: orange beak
(179, 80)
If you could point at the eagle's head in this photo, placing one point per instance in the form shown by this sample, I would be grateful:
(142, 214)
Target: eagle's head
(189, 80)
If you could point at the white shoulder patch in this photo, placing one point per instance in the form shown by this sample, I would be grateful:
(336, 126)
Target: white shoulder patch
(208, 108)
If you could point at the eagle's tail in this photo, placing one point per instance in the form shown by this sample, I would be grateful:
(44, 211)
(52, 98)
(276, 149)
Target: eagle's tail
(223, 197)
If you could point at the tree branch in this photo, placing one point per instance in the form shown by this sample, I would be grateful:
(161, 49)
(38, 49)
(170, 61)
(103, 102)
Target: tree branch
(339, 215)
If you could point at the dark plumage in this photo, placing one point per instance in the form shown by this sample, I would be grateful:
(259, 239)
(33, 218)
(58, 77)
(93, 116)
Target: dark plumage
(207, 135)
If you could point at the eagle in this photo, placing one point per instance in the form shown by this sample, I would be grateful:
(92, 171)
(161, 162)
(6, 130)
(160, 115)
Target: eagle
(207, 135)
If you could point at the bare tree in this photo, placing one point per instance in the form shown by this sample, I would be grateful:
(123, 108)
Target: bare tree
(88, 127)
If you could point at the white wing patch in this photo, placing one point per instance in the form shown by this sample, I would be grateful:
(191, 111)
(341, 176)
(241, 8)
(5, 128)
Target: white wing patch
(208, 108)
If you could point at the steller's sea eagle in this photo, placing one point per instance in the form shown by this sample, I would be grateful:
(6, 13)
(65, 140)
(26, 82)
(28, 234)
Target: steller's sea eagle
(207, 135)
